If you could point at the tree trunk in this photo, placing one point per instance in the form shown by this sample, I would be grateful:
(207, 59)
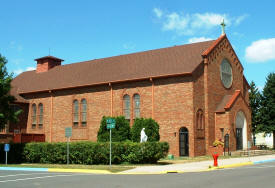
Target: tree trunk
(274, 139)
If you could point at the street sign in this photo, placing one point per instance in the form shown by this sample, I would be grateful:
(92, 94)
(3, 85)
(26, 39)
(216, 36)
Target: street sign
(111, 121)
(111, 126)
(68, 132)
(6, 147)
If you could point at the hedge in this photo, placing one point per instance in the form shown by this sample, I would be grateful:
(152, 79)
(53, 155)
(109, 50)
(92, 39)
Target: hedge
(86, 152)
(120, 133)
(151, 129)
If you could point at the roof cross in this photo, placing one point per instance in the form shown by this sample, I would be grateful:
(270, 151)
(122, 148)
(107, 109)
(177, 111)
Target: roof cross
(223, 27)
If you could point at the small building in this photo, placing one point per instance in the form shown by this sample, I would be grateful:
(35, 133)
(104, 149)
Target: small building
(196, 92)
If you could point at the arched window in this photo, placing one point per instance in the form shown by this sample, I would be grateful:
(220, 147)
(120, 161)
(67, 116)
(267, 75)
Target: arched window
(83, 112)
(75, 113)
(40, 121)
(137, 106)
(33, 116)
(126, 106)
(200, 119)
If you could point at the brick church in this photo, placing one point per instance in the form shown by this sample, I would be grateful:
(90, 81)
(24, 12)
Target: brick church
(196, 92)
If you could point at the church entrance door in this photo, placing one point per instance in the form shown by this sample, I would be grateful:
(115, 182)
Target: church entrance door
(241, 131)
(183, 139)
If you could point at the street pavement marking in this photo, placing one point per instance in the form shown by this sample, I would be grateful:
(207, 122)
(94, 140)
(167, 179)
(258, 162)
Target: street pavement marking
(41, 177)
(23, 174)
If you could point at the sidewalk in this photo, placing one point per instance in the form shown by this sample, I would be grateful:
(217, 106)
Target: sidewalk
(200, 166)
(163, 169)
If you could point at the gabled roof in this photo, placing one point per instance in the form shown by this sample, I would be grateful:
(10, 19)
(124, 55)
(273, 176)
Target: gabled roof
(228, 101)
(142, 65)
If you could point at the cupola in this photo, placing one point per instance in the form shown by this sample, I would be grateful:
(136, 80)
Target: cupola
(46, 63)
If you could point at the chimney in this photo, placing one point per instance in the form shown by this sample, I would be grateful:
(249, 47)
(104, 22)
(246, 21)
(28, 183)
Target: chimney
(46, 63)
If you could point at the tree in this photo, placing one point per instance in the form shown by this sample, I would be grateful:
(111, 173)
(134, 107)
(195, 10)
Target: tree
(6, 112)
(268, 107)
(151, 129)
(255, 104)
(120, 133)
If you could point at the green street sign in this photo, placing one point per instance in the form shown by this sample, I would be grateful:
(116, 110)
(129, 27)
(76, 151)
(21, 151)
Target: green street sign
(111, 121)
(68, 132)
(111, 126)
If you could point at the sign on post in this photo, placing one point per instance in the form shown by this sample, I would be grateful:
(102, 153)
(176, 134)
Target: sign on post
(68, 134)
(111, 123)
(6, 149)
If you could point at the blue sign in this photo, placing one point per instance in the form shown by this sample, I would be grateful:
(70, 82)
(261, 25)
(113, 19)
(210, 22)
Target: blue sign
(111, 121)
(7, 147)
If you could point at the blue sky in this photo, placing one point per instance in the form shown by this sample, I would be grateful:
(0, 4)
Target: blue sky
(82, 30)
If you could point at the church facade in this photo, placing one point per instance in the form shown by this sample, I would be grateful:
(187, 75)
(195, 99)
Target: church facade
(196, 92)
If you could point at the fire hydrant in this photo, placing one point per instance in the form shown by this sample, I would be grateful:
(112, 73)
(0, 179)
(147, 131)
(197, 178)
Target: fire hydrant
(215, 157)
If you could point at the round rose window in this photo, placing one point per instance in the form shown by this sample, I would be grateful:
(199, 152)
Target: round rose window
(226, 73)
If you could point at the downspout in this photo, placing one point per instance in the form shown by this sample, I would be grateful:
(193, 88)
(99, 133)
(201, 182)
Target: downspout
(111, 87)
(51, 120)
(206, 103)
(152, 91)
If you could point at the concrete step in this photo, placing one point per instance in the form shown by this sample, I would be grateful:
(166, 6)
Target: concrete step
(252, 152)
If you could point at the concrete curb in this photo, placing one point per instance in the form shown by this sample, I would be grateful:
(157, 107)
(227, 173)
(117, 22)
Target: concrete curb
(131, 173)
(264, 161)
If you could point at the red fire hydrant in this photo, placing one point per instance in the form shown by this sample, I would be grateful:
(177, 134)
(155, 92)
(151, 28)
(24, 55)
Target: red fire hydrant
(215, 157)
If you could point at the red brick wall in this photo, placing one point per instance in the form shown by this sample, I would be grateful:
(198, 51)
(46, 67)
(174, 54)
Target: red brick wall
(172, 102)
(216, 90)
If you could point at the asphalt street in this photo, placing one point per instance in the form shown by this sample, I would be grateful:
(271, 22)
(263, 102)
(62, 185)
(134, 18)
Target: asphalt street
(255, 176)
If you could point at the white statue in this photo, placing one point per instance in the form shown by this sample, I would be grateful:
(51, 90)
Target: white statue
(143, 136)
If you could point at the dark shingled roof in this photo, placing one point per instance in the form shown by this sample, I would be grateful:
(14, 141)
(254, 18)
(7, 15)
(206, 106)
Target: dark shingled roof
(160, 62)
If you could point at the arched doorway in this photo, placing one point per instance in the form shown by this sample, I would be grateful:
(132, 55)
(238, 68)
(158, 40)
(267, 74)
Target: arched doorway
(183, 139)
(241, 131)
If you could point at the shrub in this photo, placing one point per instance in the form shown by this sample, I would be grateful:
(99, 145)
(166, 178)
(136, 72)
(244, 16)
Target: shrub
(121, 132)
(151, 129)
(87, 152)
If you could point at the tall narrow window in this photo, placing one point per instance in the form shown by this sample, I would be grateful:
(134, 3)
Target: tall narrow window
(137, 105)
(40, 121)
(126, 106)
(200, 119)
(75, 113)
(33, 116)
(83, 112)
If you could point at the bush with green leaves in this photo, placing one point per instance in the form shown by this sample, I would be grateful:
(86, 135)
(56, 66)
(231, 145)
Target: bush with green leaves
(86, 152)
(151, 129)
(120, 133)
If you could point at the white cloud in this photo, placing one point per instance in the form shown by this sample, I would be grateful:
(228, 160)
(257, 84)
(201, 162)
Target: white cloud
(240, 19)
(198, 39)
(19, 71)
(14, 45)
(209, 20)
(191, 24)
(30, 68)
(158, 12)
(261, 51)
(129, 46)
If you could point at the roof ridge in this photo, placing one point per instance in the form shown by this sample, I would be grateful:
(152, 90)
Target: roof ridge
(140, 52)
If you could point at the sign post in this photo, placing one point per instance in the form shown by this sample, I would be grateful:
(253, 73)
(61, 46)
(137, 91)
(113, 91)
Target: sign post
(68, 134)
(111, 123)
(7, 149)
